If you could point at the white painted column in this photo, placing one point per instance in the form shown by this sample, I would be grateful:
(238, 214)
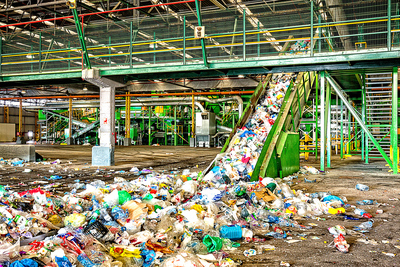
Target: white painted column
(107, 117)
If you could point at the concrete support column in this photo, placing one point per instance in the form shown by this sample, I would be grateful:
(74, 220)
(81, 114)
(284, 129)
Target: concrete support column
(70, 140)
(103, 155)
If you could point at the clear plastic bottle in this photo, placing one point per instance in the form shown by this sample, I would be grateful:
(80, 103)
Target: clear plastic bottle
(286, 191)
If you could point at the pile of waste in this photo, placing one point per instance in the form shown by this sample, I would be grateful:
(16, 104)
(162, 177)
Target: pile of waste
(157, 219)
(241, 157)
(299, 47)
(168, 220)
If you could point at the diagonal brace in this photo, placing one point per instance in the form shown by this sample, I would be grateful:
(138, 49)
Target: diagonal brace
(339, 92)
(203, 44)
(81, 36)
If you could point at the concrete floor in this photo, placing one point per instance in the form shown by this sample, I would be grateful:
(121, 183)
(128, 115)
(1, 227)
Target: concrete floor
(157, 157)
(311, 250)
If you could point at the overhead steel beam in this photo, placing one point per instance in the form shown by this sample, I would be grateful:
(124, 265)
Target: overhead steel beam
(342, 96)
(62, 2)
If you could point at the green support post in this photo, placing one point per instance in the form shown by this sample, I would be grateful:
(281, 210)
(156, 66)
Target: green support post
(175, 135)
(258, 39)
(149, 126)
(393, 134)
(363, 118)
(316, 114)
(366, 149)
(312, 29)
(184, 42)
(341, 129)
(81, 37)
(389, 25)
(323, 133)
(154, 48)
(109, 51)
(396, 39)
(349, 131)
(130, 44)
(1, 54)
(244, 34)
(203, 44)
(69, 55)
(40, 52)
(319, 34)
(328, 126)
(31, 59)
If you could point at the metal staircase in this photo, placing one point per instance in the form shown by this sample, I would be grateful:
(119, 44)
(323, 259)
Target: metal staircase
(378, 90)
(86, 129)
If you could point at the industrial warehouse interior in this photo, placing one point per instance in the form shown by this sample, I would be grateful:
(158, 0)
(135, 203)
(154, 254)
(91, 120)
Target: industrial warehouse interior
(199, 133)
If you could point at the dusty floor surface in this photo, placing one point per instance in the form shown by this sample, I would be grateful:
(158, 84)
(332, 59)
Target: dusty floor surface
(340, 180)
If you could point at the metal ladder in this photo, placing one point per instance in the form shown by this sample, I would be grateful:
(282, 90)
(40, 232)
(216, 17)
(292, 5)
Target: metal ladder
(378, 90)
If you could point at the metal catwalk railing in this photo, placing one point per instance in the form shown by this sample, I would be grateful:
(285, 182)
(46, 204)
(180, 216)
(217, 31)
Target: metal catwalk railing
(241, 33)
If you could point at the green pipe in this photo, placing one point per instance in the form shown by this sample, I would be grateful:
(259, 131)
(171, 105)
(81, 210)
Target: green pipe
(244, 34)
(341, 129)
(312, 30)
(393, 134)
(184, 44)
(323, 133)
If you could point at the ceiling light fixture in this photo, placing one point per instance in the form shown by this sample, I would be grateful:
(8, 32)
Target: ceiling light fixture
(84, 88)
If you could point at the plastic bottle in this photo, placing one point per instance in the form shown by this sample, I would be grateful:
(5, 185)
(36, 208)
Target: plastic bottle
(365, 202)
(365, 225)
(105, 215)
(362, 187)
(362, 213)
(95, 215)
(233, 232)
(287, 192)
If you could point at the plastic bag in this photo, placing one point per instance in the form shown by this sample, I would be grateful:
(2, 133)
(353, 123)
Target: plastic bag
(75, 220)
(24, 263)
(123, 197)
(112, 199)
(212, 243)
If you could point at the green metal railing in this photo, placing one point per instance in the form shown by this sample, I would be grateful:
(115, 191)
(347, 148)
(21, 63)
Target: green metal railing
(308, 31)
